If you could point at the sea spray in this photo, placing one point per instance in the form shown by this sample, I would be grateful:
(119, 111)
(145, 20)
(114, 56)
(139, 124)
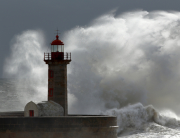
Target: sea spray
(127, 58)
(138, 118)
(25, 64)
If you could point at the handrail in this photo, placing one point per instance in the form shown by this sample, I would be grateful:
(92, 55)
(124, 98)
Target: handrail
(47, 56)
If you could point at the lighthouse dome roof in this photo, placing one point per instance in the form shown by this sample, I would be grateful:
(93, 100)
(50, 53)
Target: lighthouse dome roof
(57, 41)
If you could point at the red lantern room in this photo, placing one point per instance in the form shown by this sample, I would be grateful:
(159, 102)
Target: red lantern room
(57, 49)
(57, 45)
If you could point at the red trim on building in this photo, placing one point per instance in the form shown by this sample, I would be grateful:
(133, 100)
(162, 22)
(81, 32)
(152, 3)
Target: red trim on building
(50, 92)
(57, 41)
(31, 113)
(57, 55)
(51, 74)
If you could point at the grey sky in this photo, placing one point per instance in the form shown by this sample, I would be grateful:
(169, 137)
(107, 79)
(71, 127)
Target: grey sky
(47, 15)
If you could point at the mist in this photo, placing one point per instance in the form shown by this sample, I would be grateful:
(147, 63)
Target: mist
(117, 60)
(26, 67)
(124, 59)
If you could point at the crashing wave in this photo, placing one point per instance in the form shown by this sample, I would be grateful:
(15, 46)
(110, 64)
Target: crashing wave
(137, 118)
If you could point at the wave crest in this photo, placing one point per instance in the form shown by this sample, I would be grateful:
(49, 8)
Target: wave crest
(136, 117)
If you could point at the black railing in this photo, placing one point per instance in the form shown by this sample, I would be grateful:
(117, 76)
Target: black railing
(48, 56)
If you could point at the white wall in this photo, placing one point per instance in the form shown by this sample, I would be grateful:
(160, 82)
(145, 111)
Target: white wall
(31, 106)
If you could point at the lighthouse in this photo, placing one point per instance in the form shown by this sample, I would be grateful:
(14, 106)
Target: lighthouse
(57, 62)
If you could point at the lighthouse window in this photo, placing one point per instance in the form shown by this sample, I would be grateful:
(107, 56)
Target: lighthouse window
(52, 49)
(55, 49)
(50, 92)
(59, 48)
(51, 74)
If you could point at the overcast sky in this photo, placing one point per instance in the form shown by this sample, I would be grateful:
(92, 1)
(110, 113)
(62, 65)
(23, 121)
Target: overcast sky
(21, 15)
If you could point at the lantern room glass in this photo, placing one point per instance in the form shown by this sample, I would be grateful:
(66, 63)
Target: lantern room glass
(57, 48)
(61, 48)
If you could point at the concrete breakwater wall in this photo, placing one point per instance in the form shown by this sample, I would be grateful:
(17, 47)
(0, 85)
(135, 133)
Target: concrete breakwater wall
(58, 127)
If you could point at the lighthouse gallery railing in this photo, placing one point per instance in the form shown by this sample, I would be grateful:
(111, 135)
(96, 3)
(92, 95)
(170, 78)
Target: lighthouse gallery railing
(47, 56)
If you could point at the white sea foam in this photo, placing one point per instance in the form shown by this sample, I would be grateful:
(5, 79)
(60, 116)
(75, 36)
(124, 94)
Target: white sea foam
(137, 118)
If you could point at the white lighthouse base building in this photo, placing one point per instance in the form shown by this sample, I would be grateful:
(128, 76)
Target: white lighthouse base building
(46, 108)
